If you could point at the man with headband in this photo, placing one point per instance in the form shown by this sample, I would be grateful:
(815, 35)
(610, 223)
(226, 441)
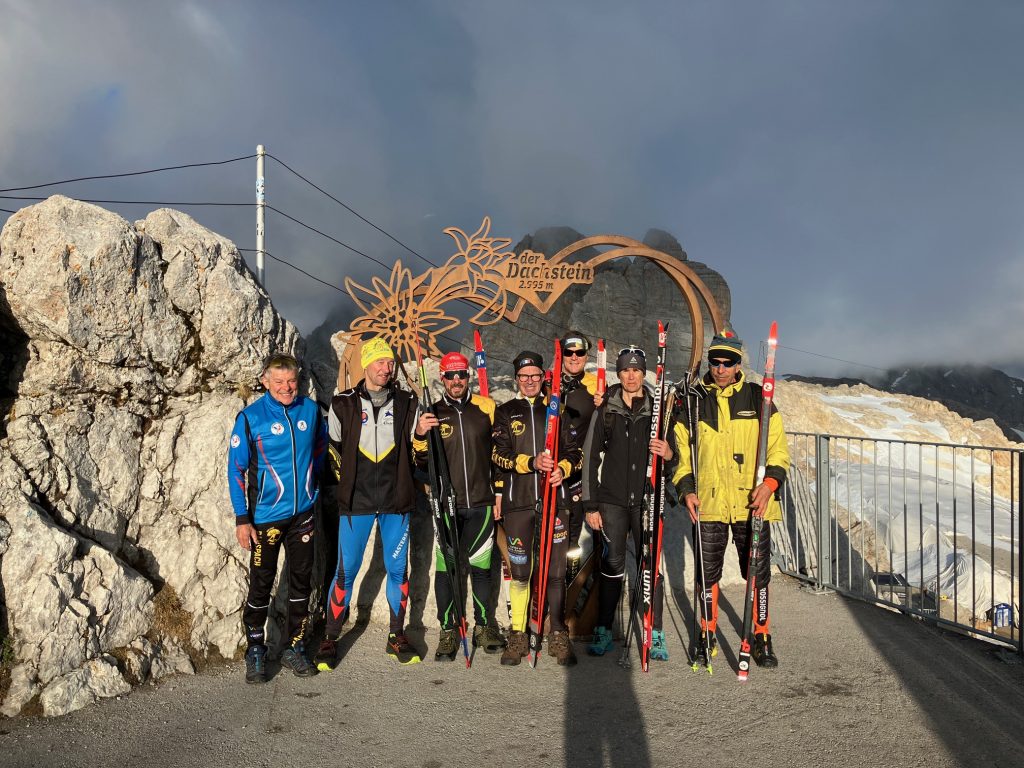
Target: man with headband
(727, 435)
(276, 451)
(524, 465)
(370, 428)
(464, 421)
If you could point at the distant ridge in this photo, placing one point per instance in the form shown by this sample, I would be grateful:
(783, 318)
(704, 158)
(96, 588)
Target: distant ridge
(974, 391)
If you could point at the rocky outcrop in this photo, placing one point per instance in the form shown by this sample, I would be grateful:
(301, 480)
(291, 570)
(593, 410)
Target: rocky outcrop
(128, 350)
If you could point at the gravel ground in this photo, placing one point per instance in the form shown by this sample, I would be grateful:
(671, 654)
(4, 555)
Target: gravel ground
(856, 685)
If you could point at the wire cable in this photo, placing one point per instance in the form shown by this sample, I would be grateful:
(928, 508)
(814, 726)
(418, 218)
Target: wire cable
(130, 173)
(135, 202)
(829, 357)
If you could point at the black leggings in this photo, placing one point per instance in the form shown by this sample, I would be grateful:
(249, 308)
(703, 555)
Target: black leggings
(616, 523)
(296, 534)
(519, 532)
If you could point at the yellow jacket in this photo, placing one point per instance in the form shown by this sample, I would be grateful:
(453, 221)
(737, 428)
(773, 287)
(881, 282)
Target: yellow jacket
(727, 452)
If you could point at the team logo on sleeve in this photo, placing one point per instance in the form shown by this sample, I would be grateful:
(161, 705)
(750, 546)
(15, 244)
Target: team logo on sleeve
(302, 425)
(277, 428)
(235, 441)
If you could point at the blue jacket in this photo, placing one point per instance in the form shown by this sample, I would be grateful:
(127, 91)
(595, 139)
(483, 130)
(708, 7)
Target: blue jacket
(274, 459)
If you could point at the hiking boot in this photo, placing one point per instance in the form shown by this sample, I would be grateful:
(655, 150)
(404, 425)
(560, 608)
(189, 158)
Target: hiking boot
(658, 651)
(698, 656)
(601, 643)
(326, 658)
(518, 646)
(560, 648)
(294, 658)
(447, 645)
(488, 637)
(399, 649)
(256, 664)
(762, 653)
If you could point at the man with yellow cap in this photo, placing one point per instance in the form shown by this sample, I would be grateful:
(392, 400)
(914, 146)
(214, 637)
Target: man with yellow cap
(727, 433)
(370, 451)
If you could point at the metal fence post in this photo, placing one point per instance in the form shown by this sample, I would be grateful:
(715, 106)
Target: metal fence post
(824, 518)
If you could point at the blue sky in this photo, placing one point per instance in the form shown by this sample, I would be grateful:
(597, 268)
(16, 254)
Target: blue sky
(854, 169)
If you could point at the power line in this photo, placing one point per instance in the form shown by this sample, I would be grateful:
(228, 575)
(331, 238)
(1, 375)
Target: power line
(311, 228)
(135, 202)
(5, 210)
(129, 173)
(410, 250)
(351, 210)
(829, 357)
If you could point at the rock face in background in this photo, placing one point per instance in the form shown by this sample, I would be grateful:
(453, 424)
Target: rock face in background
(623, 305)
(127, 351)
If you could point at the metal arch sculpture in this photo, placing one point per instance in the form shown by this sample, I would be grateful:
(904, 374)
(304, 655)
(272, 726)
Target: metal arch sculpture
(409, 311)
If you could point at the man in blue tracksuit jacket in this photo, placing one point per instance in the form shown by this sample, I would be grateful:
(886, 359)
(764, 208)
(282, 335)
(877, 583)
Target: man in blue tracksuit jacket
(278, 445)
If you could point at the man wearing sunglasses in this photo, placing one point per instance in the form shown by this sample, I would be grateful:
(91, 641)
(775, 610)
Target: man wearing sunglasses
(465, 421)
(722, 492)
(370, 428)
(277, 448)
(523, 464)
(579, 398)
(615, 480)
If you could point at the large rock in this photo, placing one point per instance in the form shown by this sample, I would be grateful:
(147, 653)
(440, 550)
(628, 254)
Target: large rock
(128, 350)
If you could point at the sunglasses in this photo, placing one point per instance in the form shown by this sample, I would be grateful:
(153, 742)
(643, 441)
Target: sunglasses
(633, 351)
(723, 363)
(456, 375)
(575, 353)
(529, 376)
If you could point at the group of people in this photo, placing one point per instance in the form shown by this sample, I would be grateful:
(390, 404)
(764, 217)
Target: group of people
(373, 445)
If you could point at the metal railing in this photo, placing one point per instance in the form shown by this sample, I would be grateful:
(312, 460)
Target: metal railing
(930, 529)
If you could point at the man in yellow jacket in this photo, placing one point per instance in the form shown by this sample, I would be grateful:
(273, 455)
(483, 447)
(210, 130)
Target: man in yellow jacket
(721, 494)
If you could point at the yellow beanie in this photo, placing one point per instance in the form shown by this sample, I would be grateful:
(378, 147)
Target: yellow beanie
(375, 349)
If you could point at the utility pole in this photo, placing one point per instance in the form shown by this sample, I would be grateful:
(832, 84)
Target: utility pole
(261, 202)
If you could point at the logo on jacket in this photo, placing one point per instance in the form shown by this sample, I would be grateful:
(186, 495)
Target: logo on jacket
(235, 441)
(273, 535)
(447, 431)
(277, 428)
(518, 427)
(301, 424)
(365, 417)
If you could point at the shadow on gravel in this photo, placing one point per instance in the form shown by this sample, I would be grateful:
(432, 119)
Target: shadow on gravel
(972, 691)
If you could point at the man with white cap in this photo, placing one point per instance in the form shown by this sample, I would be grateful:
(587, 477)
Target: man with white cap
(464, 421)
(370, 452)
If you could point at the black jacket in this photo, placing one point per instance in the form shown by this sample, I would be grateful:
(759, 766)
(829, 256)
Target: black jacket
(466, 434)
(518, 437)
(616, 452)
(376, 477)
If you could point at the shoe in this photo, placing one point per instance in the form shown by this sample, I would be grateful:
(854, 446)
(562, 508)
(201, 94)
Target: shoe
(560, 647)
(399, 649)
(658, 651)
(601, 643)
(488, 637)
(294, 658)
(697, 654)
(762, 653)
(326, 658)
(447, 645)
(518, 646)
(256, 664)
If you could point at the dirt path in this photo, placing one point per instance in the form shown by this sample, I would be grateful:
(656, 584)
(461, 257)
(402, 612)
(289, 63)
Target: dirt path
(857, 685)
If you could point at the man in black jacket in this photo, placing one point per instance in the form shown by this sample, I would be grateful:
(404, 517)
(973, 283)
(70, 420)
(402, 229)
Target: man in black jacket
(465, 421)
(520, 457)
(617, 448)
(370, 428)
